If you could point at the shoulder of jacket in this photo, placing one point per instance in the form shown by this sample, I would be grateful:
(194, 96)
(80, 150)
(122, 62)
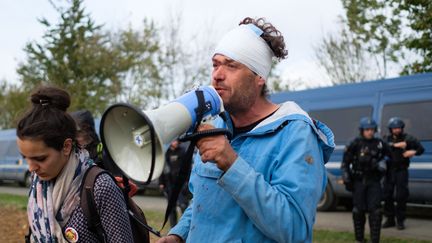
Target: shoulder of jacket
(353, 143)
(379, 140)
(410, 137)
(357, 140)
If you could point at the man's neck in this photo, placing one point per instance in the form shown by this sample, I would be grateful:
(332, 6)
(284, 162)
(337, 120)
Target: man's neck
(259, 110)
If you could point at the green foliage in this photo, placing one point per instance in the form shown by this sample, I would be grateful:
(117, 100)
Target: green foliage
(143, 83)
(419, 15)
(12, 104)
(394, 29)
(77, 56)
(15, 200)
(327, 236)
(100, 67)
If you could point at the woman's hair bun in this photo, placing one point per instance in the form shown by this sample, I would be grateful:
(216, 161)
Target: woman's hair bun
(52, 97)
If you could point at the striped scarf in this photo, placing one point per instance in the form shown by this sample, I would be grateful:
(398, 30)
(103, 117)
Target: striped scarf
(51, 203)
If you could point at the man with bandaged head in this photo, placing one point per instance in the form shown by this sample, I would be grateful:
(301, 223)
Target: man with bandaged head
(264, 184)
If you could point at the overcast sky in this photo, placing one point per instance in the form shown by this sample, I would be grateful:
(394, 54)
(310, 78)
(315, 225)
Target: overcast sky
(303, 23)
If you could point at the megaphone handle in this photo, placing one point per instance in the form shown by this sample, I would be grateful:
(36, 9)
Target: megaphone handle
(206, 133)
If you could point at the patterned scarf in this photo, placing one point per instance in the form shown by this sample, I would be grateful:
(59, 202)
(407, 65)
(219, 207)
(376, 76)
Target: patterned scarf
(51, 203)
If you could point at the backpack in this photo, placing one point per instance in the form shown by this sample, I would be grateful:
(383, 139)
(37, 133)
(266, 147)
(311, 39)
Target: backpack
(140, 229)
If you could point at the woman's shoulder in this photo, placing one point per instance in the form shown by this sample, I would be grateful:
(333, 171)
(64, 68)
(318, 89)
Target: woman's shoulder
(105, 187)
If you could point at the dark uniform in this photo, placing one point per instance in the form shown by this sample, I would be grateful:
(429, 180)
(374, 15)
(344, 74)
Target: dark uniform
(397, 174)
(173, 159)
(363, 167)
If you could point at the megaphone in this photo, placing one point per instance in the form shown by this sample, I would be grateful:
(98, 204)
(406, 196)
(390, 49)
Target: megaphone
(137, 140)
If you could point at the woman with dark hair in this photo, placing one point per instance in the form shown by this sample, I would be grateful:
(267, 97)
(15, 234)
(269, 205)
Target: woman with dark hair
(46, 139)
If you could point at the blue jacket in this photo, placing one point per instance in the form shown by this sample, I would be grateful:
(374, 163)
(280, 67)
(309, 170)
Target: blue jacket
(270, 193)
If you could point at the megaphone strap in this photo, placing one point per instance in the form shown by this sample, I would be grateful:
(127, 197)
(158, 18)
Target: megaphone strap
(186, 160)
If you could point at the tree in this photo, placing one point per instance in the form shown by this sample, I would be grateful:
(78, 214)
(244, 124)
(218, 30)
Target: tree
(343, 58)
(170, 64)
(100, 67)
(419, 15)
(187, 59)
(12, 103)
(76, 55)
(274, 80)
(394, 29)
(143, 85)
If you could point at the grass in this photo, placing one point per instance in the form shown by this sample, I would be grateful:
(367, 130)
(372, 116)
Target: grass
(327, 236)
(19, 202)
(155, 219)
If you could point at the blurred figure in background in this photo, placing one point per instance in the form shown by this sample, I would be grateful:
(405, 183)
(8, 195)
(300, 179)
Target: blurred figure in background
(402, 148)
(173, 160)
(87, 137)
(363, 167)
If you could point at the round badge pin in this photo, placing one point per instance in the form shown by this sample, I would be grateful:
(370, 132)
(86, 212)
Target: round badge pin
(71, 234)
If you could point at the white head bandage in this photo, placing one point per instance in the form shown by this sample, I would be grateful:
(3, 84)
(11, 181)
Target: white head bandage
(244, 44)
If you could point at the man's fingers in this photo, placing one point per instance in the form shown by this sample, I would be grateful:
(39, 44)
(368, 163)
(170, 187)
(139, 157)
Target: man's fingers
(207, 156)
(204, 127)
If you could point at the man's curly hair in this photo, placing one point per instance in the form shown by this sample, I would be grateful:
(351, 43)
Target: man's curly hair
(272, 37)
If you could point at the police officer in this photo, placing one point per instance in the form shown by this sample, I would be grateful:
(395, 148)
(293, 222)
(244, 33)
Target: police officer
(173, 160)
(363, 167)
(402, 147)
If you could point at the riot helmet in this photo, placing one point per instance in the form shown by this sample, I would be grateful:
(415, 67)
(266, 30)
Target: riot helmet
(367, 123)
(395, 122)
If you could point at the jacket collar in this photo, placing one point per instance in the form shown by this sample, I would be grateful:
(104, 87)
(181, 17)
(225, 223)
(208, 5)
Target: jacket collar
(290, 111)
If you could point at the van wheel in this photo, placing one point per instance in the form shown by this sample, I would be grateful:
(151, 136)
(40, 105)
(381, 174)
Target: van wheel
(27, 180)
(328, 200)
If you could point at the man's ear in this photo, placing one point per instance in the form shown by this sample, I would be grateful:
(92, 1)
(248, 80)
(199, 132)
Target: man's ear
(261, 81)
(67, 146)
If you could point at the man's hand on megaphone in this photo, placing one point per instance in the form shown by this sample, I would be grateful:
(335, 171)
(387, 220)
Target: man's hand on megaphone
(216, 149)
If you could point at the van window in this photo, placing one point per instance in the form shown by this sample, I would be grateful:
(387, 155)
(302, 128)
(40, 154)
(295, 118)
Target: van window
(416, 115)
(8, 151)
(343, 122)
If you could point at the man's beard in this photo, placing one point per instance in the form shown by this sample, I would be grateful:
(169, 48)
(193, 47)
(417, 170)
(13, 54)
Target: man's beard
(240, 104)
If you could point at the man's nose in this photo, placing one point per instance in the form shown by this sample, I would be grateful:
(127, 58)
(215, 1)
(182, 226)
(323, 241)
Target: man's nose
(219, 74)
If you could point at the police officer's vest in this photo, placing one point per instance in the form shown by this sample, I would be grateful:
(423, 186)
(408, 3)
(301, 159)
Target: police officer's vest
(366, 157)
(397, 160)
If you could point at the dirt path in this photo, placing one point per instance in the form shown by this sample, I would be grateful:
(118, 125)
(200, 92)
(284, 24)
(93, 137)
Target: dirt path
(13, 224)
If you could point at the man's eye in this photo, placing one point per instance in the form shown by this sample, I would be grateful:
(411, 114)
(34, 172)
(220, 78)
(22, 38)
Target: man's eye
(231, 65)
